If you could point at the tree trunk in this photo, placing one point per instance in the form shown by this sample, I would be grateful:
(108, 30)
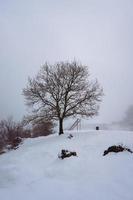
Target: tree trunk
(61, 126)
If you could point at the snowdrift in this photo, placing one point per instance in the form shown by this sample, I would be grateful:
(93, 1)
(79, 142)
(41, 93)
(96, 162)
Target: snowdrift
(35, 172)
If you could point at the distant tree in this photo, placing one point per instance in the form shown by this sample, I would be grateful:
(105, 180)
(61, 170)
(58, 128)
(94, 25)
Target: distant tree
(62, 90)
(128, 119)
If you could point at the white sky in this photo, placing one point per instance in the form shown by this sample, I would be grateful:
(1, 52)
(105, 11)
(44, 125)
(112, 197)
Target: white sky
(98, 33)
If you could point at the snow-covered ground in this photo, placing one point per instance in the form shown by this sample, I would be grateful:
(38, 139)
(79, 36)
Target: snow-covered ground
(34, 171)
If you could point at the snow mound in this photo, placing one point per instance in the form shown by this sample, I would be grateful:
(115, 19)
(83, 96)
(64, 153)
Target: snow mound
(35, 172)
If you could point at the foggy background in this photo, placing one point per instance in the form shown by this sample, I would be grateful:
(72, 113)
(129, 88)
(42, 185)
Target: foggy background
(96, 33)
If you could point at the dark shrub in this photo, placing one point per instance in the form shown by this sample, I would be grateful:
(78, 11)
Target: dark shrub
(66, 154)
(116, 149)
(11, 134)
(42, 129)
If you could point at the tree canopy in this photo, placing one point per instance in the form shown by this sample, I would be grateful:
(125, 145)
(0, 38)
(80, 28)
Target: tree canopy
(62, 90)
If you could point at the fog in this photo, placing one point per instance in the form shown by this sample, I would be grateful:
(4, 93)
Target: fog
(96, 33)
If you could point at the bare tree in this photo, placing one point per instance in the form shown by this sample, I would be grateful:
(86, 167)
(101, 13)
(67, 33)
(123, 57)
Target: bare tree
(62, 90)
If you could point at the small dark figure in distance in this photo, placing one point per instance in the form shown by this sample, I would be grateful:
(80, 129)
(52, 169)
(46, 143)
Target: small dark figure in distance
(116, 149)
(66, 154)
(97, 128)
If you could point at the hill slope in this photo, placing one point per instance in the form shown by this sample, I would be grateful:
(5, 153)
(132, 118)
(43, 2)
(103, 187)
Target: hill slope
(35, 172)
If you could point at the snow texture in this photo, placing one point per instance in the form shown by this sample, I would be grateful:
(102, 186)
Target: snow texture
(34, 171)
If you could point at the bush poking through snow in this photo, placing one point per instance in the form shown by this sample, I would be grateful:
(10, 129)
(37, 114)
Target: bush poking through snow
(116, 149)
(15, 143)
(66, 154)
(70, 136)
(11, 134)
(2, 151)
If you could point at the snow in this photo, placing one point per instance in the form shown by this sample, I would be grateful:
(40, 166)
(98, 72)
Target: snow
(34, 171)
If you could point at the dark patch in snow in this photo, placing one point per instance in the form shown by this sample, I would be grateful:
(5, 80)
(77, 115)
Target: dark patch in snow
(70, 136)
(66, 154)
(116, 149)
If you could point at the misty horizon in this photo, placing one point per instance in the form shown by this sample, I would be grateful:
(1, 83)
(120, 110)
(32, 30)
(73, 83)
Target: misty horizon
(96, 33)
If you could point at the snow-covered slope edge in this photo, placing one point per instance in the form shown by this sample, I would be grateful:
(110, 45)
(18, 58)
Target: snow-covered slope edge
(35, 172)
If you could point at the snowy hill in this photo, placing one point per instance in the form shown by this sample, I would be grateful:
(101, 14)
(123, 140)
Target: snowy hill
(34, 171)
